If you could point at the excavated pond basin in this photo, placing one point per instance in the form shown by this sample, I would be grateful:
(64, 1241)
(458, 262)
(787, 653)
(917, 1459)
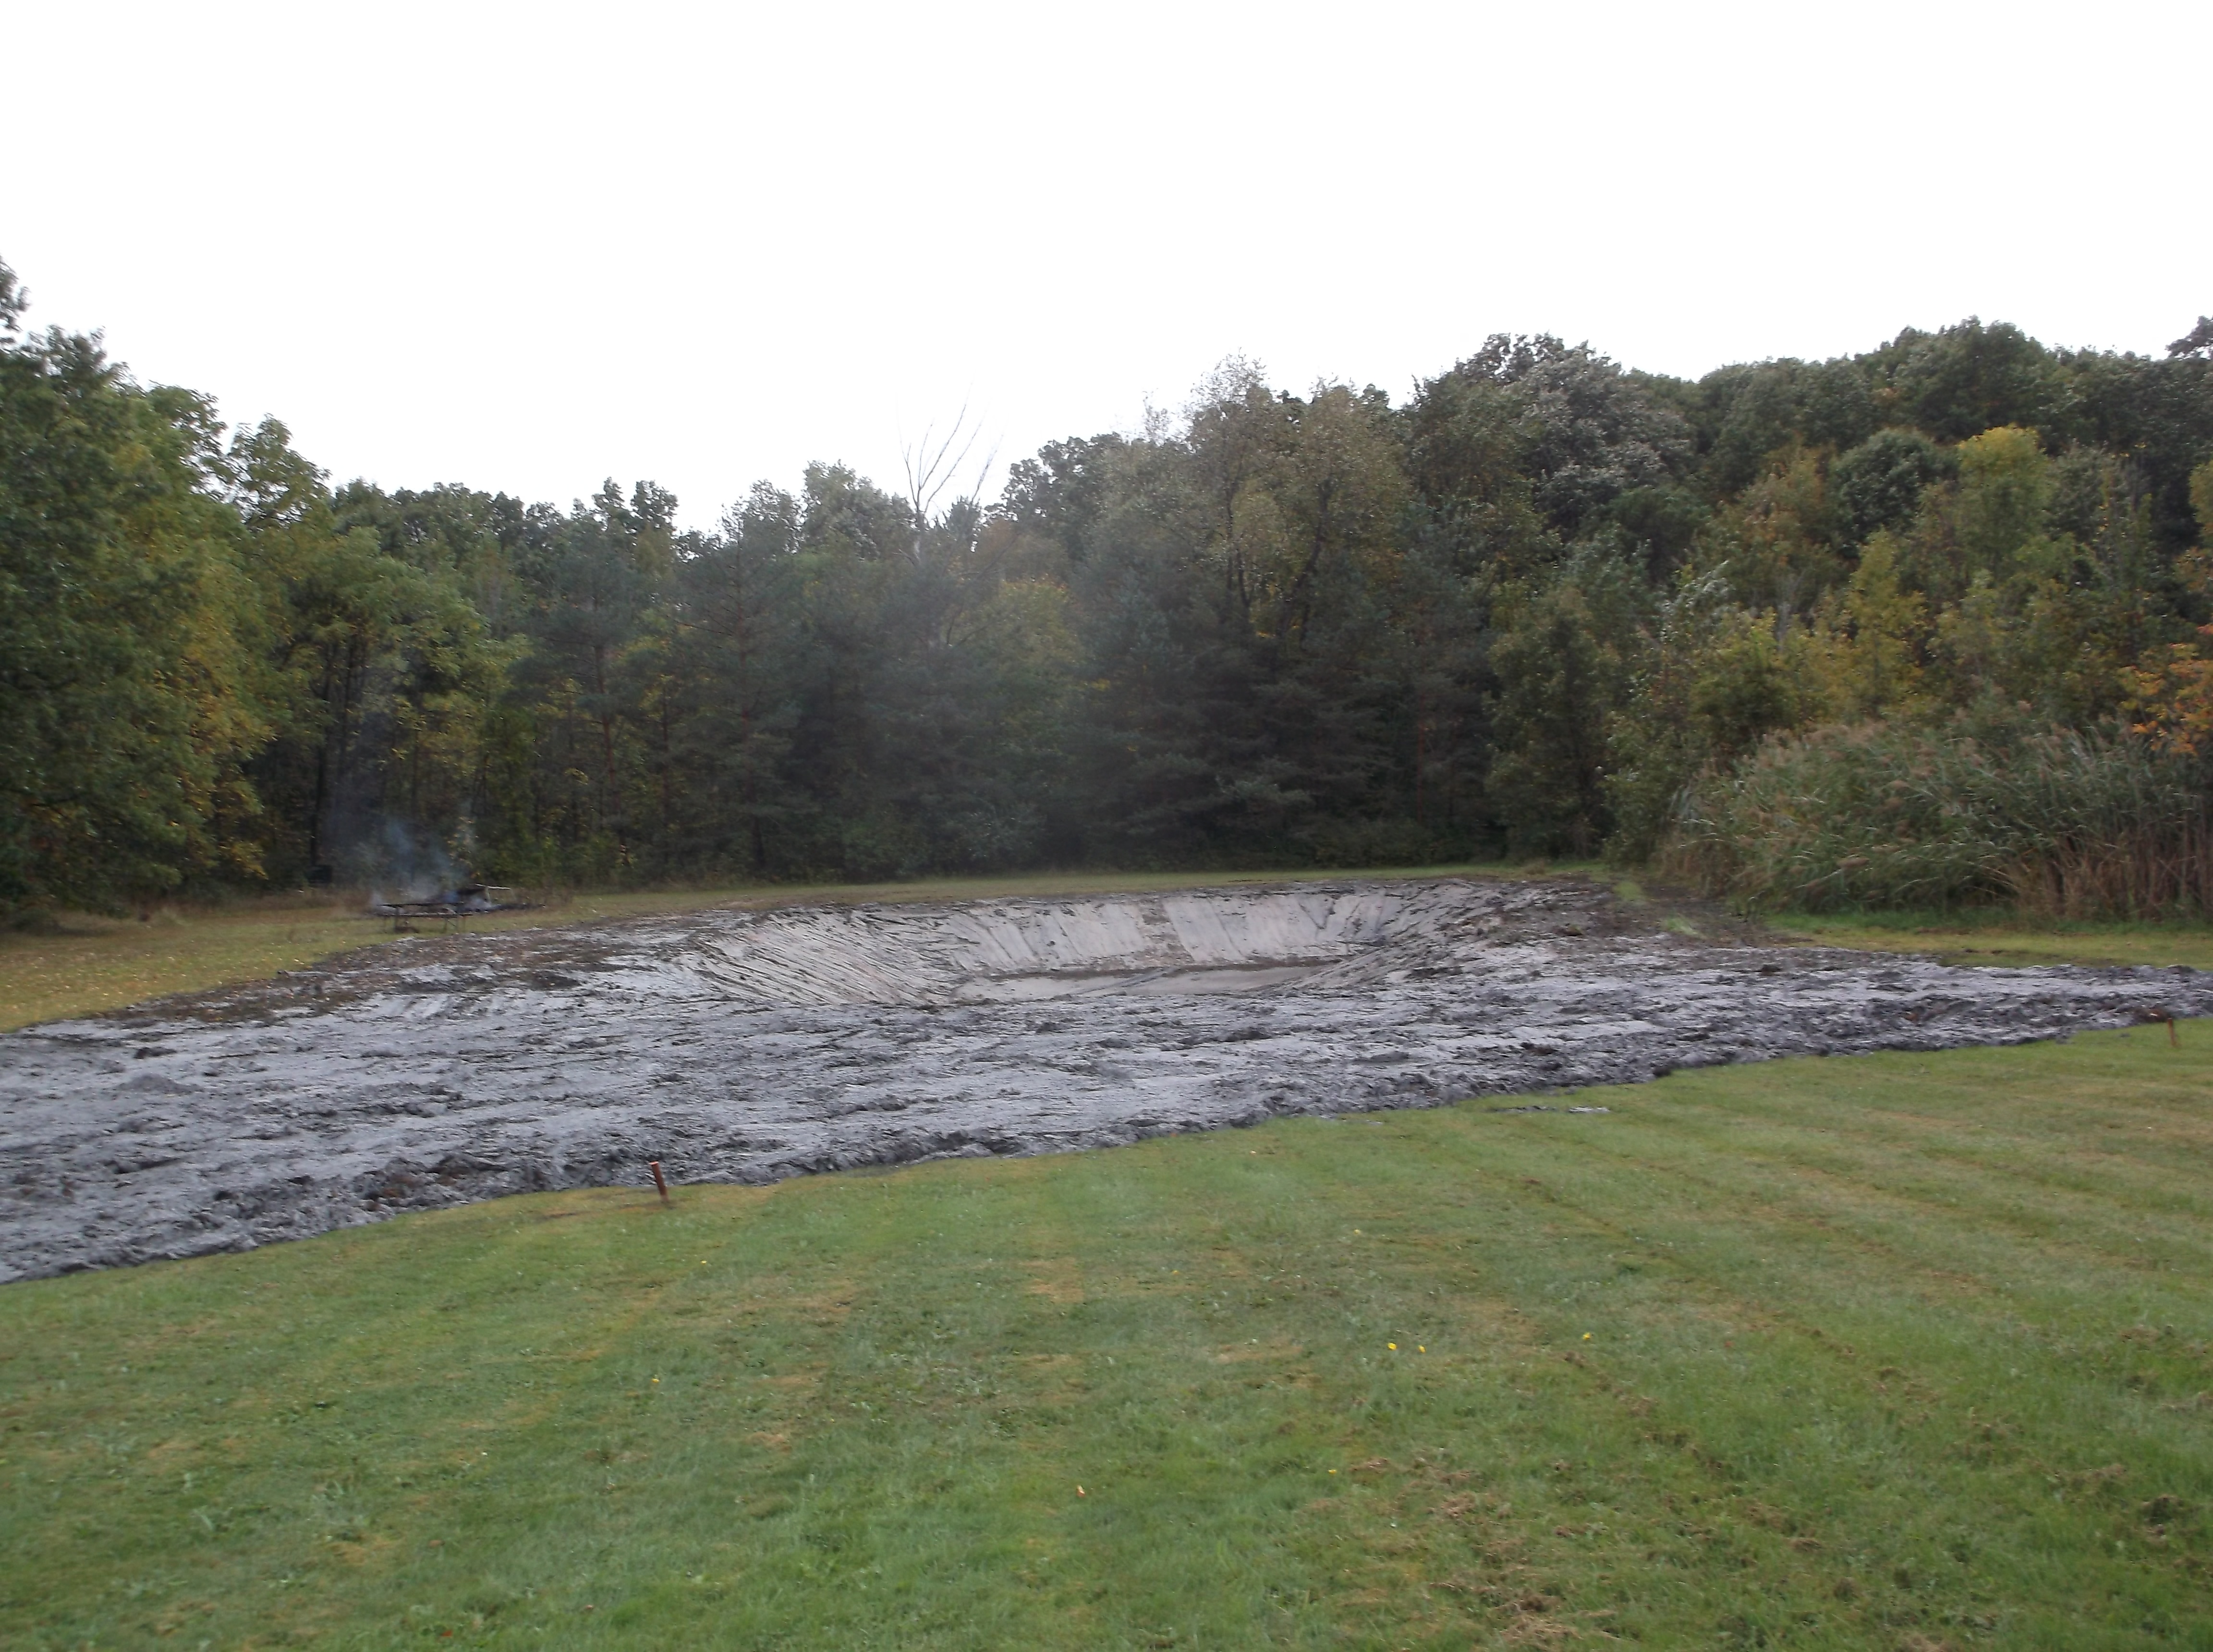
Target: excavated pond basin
(748, 1046)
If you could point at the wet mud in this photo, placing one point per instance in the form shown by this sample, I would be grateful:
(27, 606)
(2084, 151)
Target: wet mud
(747, 1047)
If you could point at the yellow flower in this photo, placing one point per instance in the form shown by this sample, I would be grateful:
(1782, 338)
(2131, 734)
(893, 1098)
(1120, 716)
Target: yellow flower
(1586, 1336)
(1392, 1346)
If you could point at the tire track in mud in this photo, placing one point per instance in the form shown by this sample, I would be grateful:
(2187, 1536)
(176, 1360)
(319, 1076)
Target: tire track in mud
(750, 1046)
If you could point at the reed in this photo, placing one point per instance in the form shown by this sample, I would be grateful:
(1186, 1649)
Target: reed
(2058, 823)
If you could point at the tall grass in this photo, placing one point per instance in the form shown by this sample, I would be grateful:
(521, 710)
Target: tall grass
(2062, 823)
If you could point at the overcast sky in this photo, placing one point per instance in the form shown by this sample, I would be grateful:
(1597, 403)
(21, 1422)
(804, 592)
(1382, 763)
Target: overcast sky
(529, 246)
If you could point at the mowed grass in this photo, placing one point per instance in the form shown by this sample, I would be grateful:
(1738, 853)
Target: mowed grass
(1904, 1351)
(1994, 938)
(95, 963)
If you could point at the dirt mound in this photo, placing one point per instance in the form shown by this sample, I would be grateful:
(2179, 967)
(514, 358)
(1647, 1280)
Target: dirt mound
(747, 1047)
(1014, 952)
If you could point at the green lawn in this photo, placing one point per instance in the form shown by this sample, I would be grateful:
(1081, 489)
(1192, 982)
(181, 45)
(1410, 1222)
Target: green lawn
(1904, 1351)
(1988, 938)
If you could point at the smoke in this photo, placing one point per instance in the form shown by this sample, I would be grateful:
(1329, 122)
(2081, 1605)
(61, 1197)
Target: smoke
(402, 862)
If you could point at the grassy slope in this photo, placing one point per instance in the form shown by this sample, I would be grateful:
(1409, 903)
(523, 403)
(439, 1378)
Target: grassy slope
(97, 964)
(1901, 1351)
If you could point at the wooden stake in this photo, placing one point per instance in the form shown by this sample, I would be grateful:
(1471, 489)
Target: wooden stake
(2172, 1041)
(663, 1185)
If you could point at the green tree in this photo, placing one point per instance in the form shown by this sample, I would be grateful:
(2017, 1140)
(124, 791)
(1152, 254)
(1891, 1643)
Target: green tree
(1872, 640)
(129, 689)
(1561, 671)
(1878, 484)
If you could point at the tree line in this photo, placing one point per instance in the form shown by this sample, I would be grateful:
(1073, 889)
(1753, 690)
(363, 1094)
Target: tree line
(1544, 605)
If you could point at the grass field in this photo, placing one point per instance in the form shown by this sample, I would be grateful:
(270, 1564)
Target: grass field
(1904, 1351)
(96, 964)
(1994, 938)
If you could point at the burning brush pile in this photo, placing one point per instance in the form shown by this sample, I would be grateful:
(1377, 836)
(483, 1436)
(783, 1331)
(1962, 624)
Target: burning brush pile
(412, 874)
(462, 900)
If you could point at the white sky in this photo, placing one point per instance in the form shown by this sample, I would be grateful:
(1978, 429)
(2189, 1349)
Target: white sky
(527, 247)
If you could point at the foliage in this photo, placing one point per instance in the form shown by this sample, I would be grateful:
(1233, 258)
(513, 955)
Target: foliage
(1714, 680)
(130, 689)
(2173, 694)
(1526, 608)
(2067, 822)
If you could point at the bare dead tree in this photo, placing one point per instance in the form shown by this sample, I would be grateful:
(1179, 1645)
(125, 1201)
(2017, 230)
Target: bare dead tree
(934, 463)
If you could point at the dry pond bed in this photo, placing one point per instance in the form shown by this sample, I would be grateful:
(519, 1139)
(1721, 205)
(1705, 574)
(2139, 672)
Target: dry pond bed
(748, 1046)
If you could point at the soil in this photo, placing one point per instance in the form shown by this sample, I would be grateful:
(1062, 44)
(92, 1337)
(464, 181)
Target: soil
(747, 1047)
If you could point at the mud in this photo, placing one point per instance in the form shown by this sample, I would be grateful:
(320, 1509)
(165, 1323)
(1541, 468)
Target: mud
(748, 1047)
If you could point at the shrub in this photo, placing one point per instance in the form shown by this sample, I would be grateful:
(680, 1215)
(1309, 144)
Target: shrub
(2063, 823)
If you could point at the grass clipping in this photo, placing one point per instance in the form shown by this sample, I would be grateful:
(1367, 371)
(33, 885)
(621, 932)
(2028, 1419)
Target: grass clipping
(1904, 1350)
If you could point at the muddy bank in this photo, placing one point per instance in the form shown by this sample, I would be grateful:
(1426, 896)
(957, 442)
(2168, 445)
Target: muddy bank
(748, 1047)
